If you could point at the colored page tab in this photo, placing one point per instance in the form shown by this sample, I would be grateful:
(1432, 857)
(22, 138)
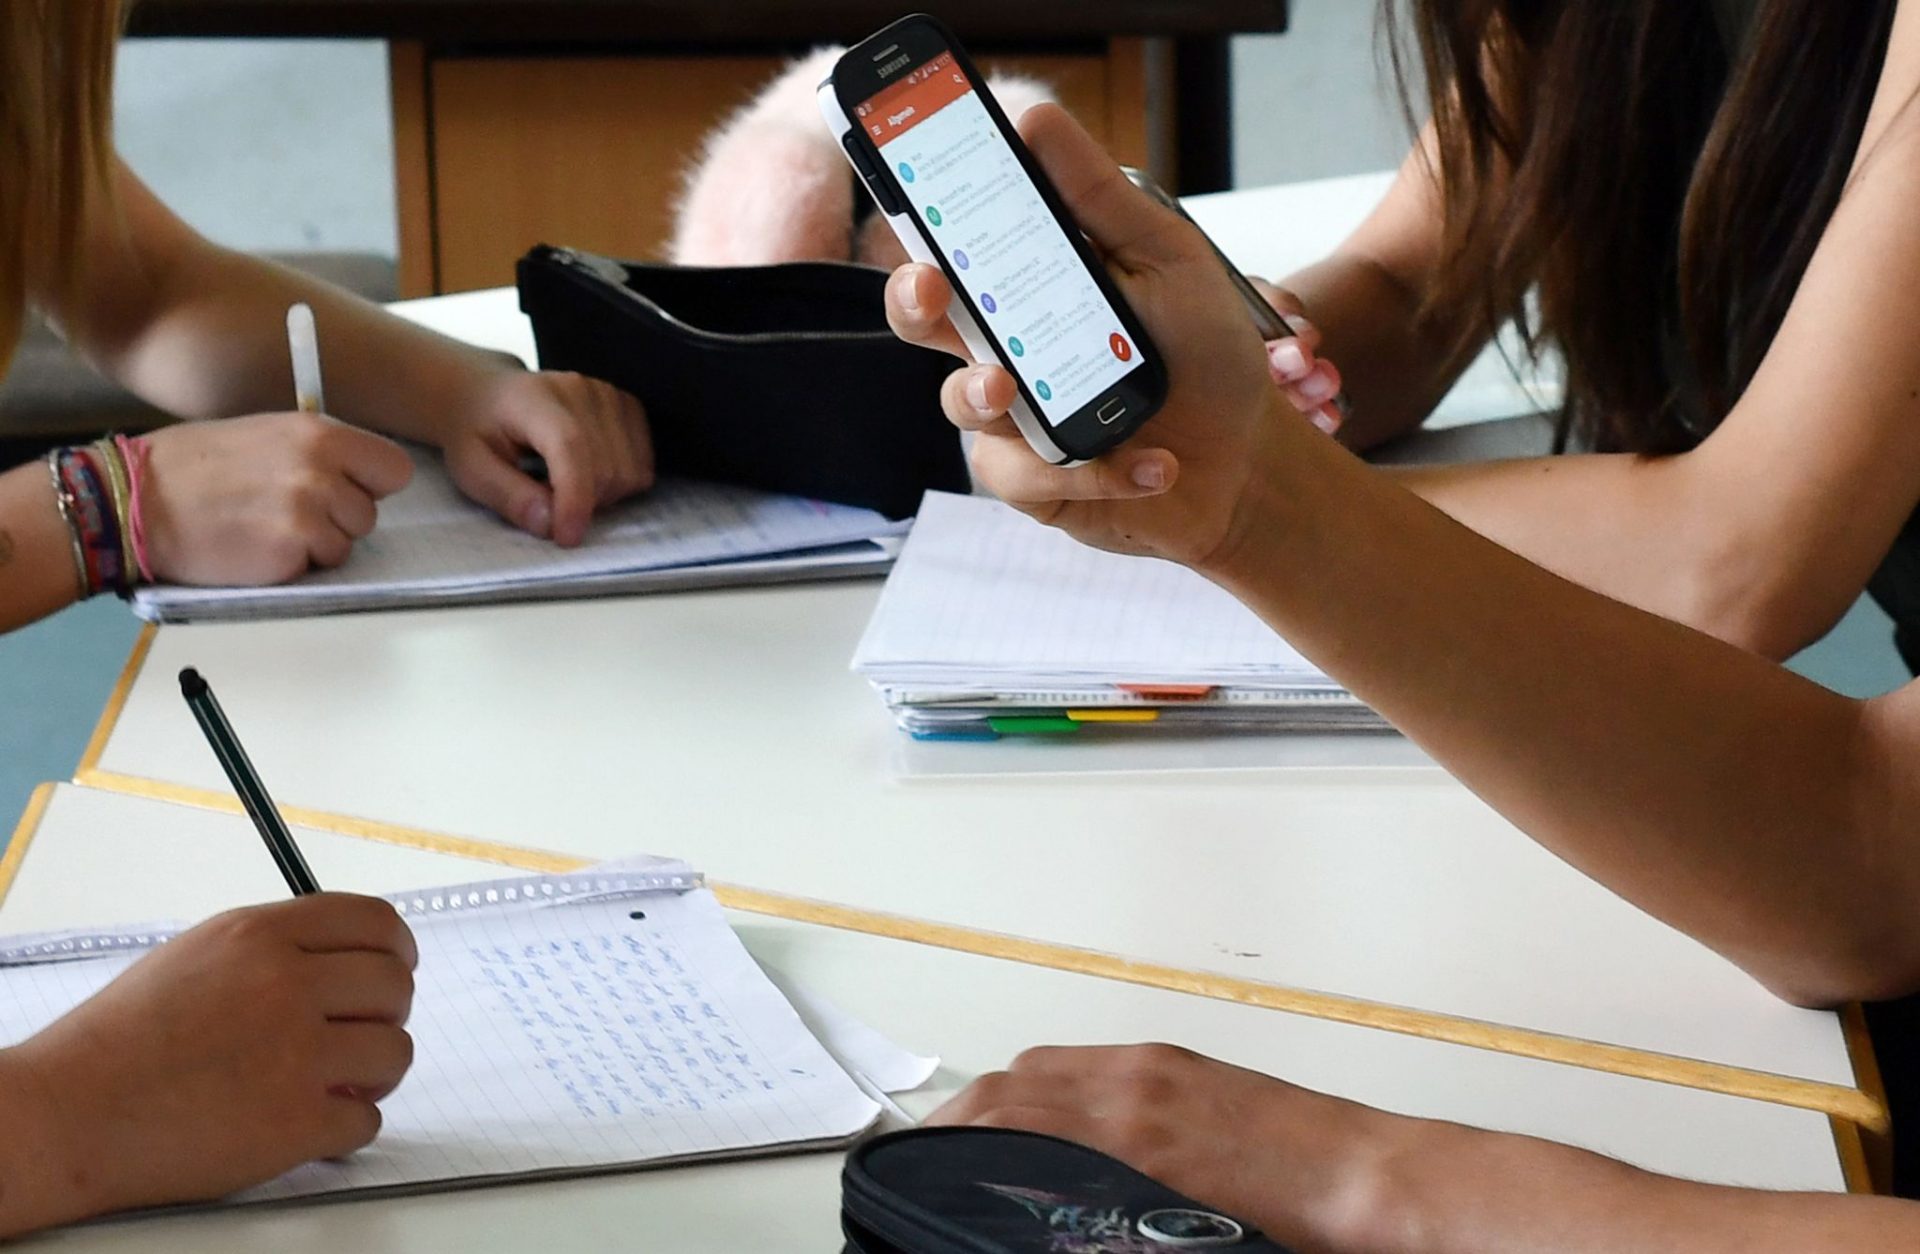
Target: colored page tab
(1017, 726)
(1114, 716)
(1168, 692)
(957, 734)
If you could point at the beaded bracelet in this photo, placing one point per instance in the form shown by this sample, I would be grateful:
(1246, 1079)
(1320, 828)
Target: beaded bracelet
(97, 492)
(64, 500)
(107, 457)
(99, 520)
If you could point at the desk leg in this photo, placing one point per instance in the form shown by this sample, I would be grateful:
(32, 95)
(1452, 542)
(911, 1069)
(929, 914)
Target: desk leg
(409, 73)
(1203, 114)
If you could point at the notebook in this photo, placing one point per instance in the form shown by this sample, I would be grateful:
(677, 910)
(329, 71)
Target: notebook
(993, 624)
(433, 547)
(563, 1025)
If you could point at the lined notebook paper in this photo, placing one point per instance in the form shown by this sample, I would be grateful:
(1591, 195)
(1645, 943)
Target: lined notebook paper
(556, 1033)
(433, 546)
(993, 624)
(983, 590)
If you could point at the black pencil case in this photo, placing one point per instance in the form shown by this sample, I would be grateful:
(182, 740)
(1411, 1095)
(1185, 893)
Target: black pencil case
(783, 378)
(987, 1191)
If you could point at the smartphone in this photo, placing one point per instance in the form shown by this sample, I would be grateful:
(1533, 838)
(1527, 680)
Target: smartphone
(961, 191)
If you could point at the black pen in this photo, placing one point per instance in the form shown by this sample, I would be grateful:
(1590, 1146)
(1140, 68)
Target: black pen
(246, 782)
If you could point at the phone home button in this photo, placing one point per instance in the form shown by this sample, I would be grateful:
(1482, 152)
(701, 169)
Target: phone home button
(1111, 412)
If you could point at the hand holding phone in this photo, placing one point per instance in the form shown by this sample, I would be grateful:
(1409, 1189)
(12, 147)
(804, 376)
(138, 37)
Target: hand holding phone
(961, 191)
(1185, 484)
(1311, 382)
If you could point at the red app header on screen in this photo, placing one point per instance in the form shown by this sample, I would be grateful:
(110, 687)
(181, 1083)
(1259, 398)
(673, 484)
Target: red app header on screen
(920, 93)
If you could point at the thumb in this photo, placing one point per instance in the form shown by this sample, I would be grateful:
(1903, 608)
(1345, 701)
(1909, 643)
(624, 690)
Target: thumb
(1119, 217)
(483, 474)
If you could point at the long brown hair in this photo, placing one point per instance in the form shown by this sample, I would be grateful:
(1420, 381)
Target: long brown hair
(1660, 186)
(56, 142)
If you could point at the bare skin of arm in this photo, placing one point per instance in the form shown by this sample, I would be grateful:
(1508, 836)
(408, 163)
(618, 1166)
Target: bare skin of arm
(263, 496)
(1768, 817)
(1758, 812)
(1767, 532)
(1364, 299)
(1328, 1176)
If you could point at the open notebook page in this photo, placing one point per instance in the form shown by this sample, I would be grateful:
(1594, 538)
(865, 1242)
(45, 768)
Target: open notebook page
(983, 595)
(431, 538)
(563, 1039)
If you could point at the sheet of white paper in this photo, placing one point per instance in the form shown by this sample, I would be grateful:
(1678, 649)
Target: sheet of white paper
(433, 542)
(983, 595)
(858, 1046)
(586, 1035)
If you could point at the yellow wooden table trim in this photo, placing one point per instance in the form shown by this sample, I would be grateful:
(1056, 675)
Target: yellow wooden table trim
(117, 701)
(1875, 1145)
(1855, 1162)
(1856, 1106)
(23, 836)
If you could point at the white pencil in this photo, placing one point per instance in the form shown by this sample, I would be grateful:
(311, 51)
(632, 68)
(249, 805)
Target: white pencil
(303, 341)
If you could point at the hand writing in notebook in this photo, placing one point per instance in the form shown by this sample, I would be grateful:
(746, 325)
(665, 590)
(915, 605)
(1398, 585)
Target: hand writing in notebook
(256, 1042)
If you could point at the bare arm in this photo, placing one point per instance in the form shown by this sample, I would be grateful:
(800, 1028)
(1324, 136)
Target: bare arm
(1767, 532)
(1760, 813)
(37, 574)
(1754, 810)
(1323, 1174)
(199, 331)
(1365, 298)
(1451, 1188)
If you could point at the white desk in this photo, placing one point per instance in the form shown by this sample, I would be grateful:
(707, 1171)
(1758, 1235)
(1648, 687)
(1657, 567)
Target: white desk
(95, 858)
(725, 728)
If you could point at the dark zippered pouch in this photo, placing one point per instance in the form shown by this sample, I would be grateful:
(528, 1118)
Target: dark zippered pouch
(783, 378)
(988, 1191)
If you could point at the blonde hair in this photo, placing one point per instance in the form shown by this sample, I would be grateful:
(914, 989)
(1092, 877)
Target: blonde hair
(56, 143)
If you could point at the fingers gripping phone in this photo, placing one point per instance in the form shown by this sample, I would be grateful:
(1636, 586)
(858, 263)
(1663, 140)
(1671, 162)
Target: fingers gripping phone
(1266, 318)
(1271, 325)
(961, 191)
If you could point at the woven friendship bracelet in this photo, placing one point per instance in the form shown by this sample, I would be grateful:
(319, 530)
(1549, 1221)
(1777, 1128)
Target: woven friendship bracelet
(64, 501)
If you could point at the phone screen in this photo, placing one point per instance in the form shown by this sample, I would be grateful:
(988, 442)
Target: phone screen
(1031, 290)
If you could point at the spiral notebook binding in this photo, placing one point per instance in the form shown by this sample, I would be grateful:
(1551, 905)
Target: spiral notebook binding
(534, 891)
(542, 890)
(26, 951)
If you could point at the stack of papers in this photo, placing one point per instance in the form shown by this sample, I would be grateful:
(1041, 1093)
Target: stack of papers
(992, 624)
(433, 546)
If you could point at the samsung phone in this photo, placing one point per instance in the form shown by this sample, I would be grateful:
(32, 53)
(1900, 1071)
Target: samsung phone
(962, 192)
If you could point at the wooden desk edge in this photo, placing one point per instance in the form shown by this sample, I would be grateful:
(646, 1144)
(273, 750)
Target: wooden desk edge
(116, 701)
(1854, 1106)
